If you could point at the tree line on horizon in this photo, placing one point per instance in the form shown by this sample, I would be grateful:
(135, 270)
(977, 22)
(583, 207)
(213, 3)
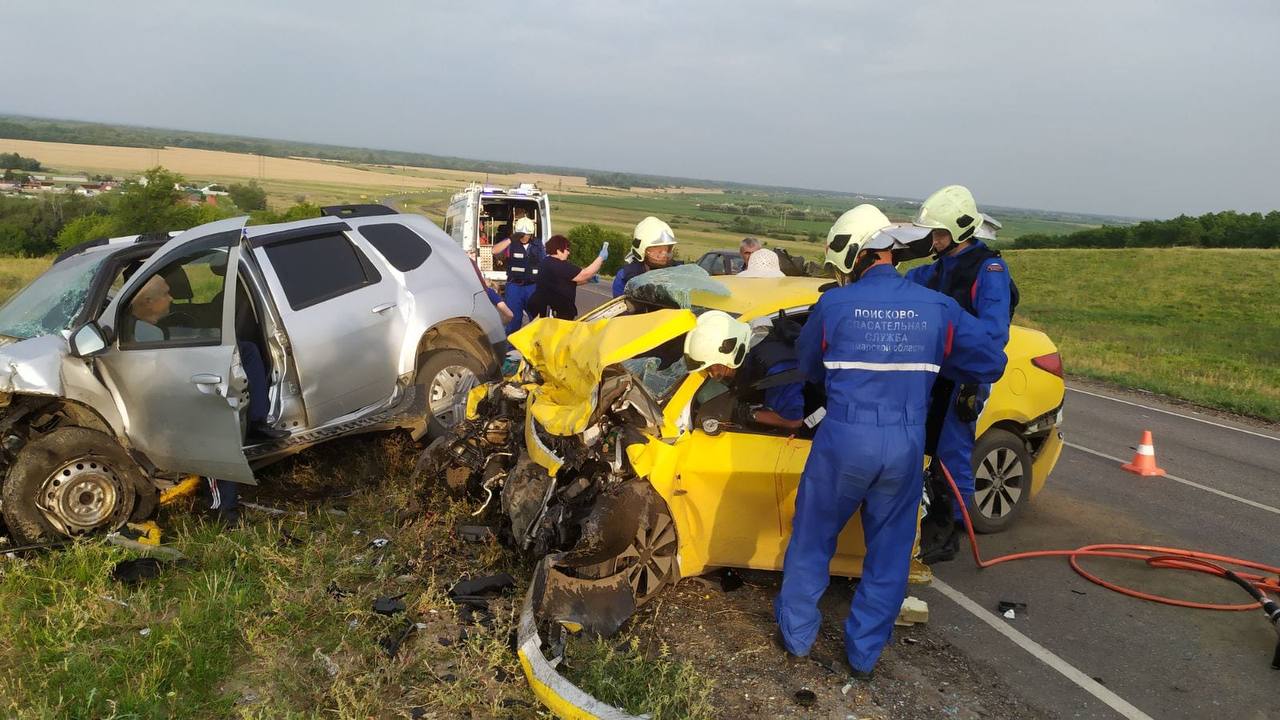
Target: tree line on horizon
(1227, 229)
(34, 227)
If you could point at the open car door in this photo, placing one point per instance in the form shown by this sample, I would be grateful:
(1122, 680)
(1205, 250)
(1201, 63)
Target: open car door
(174, 365)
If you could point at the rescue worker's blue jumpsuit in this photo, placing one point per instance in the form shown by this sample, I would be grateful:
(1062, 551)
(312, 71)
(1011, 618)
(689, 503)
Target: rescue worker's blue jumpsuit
(630, 270)
(987, 299)
(523, 260)
(786, 400)
(877, 346)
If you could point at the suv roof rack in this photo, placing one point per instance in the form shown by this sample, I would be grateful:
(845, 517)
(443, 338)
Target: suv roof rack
(354, 211)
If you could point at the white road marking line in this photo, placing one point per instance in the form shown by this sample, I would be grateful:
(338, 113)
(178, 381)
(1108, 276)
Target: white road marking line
(1184, 481)
(1175, 414)
(1041, 653)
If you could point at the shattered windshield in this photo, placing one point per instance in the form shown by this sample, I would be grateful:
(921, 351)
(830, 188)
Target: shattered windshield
(52, 301)
(660, 382)
(674, 286)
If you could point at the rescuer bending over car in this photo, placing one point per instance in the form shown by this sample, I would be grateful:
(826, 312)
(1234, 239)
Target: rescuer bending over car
(975, 276)
(653, 245)
(877, 343)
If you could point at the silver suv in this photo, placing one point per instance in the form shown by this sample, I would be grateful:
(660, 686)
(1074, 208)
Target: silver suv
(365, 320)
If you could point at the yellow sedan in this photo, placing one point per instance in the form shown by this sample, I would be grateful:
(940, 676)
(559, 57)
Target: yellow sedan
(626, 473)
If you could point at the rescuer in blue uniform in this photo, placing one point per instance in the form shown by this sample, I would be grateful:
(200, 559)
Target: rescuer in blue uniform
(524, 257)
(653, 247)
(975, 276)
(876, 343)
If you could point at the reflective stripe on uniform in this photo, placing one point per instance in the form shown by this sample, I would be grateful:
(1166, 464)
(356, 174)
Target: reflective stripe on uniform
(855, 365)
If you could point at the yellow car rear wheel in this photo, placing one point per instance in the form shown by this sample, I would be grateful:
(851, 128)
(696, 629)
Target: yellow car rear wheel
(1001, 481)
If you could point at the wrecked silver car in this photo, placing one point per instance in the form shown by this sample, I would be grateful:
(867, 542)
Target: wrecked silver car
(122, 368)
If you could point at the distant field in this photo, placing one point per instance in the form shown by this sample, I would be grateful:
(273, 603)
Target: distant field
(1195, 324)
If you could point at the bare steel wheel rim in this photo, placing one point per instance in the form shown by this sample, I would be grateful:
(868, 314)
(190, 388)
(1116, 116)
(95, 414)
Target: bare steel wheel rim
(80, 496)
(448, 394)
(998, 483)
(650, 560)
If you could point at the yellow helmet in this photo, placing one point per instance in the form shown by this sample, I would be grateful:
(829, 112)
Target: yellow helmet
(952, 209)
(716, 339)
(650, 232)
(865, 228)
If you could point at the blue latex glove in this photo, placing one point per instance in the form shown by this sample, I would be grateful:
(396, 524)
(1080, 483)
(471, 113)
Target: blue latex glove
(604, 251)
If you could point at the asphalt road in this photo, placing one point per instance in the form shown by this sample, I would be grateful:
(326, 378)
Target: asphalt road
(1128, 657)
(1166, 662)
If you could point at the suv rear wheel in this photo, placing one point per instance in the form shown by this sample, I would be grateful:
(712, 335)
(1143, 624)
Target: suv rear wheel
(69, 482)
(446, 376)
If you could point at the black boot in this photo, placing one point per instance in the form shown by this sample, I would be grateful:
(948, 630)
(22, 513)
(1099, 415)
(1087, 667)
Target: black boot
(260, 431)
(945, 547)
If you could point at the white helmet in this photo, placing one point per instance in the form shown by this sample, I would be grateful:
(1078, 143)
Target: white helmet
(650, 232)
(716, 339)
(952, 209)
(988, 229)
(525, 226)
(865, 228)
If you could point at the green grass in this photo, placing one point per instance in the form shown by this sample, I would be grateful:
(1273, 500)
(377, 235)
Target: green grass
(624, 676)
(1200, 325)
(242, 628)
(15, 273)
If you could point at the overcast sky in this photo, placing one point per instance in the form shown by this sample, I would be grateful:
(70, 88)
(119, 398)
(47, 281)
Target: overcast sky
(1143, 108)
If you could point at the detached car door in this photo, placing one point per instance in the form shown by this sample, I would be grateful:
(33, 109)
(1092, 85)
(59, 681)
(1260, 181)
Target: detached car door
(343, 314)
(174, 366)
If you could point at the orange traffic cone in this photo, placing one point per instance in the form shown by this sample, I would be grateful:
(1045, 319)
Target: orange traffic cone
(1144, 461)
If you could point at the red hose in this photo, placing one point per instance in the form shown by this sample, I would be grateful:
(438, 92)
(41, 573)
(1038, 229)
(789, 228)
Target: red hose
(1153, 555)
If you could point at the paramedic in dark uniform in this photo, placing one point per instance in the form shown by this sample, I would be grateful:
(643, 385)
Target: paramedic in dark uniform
(876, 343)
(556, 293)
(524, 256)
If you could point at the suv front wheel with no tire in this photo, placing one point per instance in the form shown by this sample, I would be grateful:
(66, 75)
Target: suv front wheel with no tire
(67, 483)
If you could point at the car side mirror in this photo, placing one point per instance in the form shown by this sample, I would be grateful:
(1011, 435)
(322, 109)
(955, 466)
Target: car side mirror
(88, 340)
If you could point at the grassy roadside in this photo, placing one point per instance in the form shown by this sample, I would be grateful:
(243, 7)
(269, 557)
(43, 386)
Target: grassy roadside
(276, 620)
(271, 620)
(1200, 325)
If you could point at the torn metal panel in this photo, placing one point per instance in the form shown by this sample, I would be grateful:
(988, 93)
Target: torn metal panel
(33, 367)
(570, 357)
(561, 697)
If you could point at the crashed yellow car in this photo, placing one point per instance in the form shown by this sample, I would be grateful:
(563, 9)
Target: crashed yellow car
(629, 473)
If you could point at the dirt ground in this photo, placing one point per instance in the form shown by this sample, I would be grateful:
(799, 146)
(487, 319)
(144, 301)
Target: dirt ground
(728, 636)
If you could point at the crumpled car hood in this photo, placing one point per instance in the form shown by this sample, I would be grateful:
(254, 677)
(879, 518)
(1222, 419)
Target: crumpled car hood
(33, 366)
(570, 356)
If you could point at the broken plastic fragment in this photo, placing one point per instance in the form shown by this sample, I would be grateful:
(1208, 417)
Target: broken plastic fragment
(389, 605)
(1009, 609)
(475, 533)
(133, 572)
(489, 584)
(391, 643)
